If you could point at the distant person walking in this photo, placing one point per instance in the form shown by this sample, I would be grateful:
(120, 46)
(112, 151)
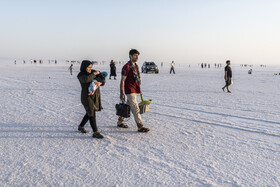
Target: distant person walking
(113, 70)
(228, 76)
(130, 84)
(91, 103)
(71, 69)
(172, 67)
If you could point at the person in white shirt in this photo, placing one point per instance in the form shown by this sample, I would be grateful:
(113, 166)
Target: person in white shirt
(172, 67)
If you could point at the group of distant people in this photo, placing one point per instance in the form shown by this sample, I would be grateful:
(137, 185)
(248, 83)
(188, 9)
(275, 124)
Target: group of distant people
(35, 61)
(205, 65)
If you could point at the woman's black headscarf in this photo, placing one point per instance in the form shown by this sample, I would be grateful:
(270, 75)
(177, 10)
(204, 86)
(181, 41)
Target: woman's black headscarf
(84, 65)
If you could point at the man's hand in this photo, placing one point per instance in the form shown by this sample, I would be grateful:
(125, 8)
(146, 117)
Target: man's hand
(122, 96)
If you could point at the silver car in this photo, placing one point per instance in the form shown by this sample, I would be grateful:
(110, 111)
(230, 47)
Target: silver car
(149, 67)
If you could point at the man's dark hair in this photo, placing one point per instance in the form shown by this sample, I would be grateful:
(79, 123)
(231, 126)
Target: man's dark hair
(228, 61)
(133, 51)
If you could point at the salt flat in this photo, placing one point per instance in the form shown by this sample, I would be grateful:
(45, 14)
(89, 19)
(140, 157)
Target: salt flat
(200, 136)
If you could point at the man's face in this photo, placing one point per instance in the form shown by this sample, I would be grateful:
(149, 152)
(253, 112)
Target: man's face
(134, 57)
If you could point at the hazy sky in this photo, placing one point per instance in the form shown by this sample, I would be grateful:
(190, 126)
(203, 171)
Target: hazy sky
(245, 31)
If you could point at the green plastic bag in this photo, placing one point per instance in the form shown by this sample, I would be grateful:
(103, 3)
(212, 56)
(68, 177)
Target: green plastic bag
(144, 105)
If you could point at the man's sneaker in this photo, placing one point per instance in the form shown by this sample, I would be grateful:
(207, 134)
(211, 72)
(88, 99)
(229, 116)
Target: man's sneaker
(122, 125)
(82, 129)
(97, 135)
(143, 129)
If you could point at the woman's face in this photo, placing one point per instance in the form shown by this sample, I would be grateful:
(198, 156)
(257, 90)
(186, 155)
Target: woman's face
(89, 68)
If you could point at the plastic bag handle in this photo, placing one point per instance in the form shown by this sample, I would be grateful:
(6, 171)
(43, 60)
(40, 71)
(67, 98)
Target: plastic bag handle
(142, 98)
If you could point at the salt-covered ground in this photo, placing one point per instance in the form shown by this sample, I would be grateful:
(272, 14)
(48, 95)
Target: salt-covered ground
(200, 136)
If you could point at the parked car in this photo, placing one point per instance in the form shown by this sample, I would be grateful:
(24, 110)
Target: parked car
(149, 67)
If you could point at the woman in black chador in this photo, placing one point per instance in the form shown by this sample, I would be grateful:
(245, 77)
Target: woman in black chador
(91, 103)
(113, 70)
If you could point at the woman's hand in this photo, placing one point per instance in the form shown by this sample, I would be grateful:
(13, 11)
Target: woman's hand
(98, 83)
(97, 73)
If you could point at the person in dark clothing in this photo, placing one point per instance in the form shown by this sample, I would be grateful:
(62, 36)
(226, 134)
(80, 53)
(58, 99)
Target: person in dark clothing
(91, 103)
(228, 76)
(113, 70)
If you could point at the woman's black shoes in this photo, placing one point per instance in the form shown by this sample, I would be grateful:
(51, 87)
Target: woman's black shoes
(82, 129)
(97, 135)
